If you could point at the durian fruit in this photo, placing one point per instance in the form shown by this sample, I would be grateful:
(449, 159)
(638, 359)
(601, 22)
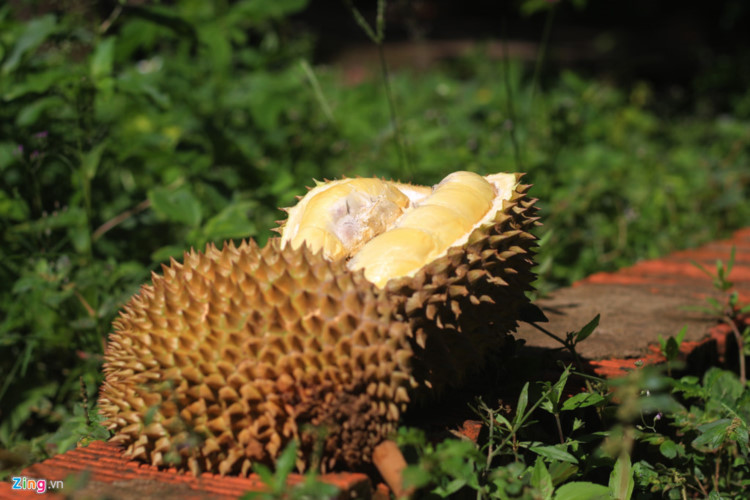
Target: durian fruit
(376, 294)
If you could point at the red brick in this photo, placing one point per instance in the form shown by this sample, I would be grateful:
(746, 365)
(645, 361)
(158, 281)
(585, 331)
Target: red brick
(104, 464)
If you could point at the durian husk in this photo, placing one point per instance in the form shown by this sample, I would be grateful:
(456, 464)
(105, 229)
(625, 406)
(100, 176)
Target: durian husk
(232, 354)
(462, 306)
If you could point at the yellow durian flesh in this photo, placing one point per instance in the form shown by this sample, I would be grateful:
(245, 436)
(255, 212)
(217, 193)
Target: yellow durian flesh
(465, 198)
(398, 252)
(339, 217)
(402, 233)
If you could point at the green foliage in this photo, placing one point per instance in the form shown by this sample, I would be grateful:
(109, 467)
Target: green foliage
(276, 481)
(730, 311)
(127, 137)
(706, 450)
(696, 443)
(670, 348)
(123, 142)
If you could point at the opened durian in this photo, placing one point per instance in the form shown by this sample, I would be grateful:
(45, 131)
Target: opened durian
(376, 293)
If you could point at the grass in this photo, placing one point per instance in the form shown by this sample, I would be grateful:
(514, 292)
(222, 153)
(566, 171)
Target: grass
(129, 136)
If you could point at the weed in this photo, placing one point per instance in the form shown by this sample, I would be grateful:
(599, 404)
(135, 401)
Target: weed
(276, 482)
(730, 311)
(670, 348)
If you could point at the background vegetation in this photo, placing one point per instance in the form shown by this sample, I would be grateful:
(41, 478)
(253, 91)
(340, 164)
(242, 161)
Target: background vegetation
(131, 131)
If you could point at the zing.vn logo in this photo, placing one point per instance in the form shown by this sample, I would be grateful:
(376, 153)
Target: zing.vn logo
(38, 485)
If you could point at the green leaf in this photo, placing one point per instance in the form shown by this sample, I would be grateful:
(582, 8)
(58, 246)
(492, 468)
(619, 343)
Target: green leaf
(714, 303)
(671, 350)
(38, 83)
(670, 449)
(9, 154)
(103, 59)
(285, 465)
(80, 236)
(722, 385)
(713, 434)
(450, 488)
(91, 159)
(232, 222)
(264, 472)
(581, 490)
(681, 335)
(541, 479)
(702, 268)
(561, 471)
(523, 401)
(587, 330)
(552, 395)
(621, 480)
(31, 400)
(36, 31)
(262, 10)
(178, 206)
(740, 436)
(500, 419)
(554, 453)
(140, 85)
(416, 476)
(730, 264)
(30, 113)
(582, 400)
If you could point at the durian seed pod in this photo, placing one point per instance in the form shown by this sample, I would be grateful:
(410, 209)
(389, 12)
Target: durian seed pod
(229, 356)
(455, 260)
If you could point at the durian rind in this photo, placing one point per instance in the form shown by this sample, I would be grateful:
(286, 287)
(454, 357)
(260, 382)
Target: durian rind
(462, 305)
(232, 354)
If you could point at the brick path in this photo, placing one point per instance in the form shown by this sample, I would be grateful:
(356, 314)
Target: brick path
(641, 302)
(636, 305)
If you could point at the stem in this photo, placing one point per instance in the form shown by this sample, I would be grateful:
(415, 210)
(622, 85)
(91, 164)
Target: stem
(402, 156)
(715, 478)
(559, 428)
(360, 19)
(118, 219)
(528, 413)
(315, 84)
(111, 19)
(489, 440)
(703, 489)
(542, 51)
(568, 345)
(509, 98)
(740, 347)
(377, 36)
(548, 333)
(489, 447)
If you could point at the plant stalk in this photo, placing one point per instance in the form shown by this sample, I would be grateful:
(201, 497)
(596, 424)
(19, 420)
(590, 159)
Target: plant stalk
(740, 347)
(509, 98)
